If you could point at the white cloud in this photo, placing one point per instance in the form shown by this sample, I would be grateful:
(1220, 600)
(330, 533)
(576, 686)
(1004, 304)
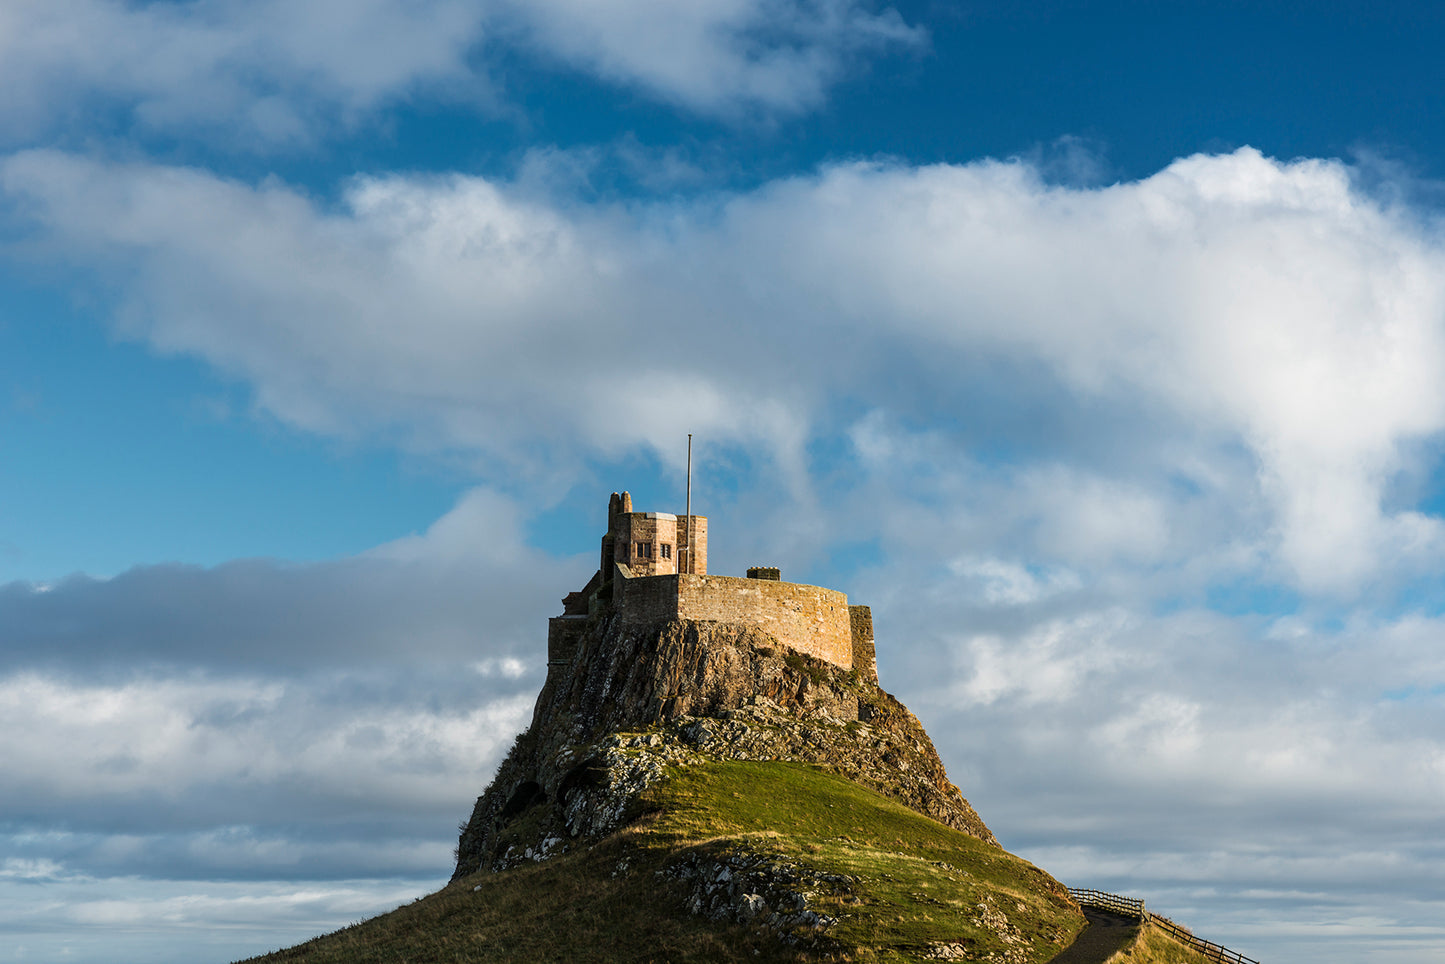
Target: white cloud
(482, 526)
(1004, 583)
(22, 869)
(717, 56)
(255, 811)
(1161, 727)
(270, 69)
(174, 743)
(1088, 520)
(1049, 664)
(274, 72)
(1234, 329)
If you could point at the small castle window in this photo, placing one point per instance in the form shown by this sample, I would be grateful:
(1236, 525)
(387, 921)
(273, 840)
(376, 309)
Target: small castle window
(667, 550)
(644, 550)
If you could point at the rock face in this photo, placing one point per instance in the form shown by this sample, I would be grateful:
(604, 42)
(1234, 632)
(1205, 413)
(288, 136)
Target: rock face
(635, 700)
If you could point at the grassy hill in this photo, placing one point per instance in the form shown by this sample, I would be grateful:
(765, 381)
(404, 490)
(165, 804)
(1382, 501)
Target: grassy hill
(745, 861)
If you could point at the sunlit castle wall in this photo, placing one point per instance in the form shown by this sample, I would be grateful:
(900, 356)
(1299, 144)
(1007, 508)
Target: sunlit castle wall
(809, 619)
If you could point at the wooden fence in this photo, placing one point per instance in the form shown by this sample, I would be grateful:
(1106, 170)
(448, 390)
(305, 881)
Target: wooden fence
(1133, 907)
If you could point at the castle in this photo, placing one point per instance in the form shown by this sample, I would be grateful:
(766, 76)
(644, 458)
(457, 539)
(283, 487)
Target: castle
(654, 662)
(654, 570)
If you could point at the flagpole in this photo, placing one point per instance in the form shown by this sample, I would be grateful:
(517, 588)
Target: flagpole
(688, 510)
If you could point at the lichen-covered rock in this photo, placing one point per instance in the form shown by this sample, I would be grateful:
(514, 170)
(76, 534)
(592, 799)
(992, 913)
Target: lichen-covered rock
(634, 701)
(767, 890)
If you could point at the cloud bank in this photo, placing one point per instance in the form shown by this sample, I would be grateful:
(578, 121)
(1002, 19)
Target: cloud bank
(265, 748)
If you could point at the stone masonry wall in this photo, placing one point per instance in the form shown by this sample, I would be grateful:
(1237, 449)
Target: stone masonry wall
(864, 659)
(646, 600)
(697, 531)
(562, 635)
(809, 619)
(653, 530)
(665, 537)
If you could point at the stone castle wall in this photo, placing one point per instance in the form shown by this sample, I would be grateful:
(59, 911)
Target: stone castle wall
(860, 618)
(698, 550)
(562, 635)
(809, 619)
(645, 600)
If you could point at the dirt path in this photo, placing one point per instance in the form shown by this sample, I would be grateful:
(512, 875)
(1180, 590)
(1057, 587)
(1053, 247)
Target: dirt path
(1105, 934)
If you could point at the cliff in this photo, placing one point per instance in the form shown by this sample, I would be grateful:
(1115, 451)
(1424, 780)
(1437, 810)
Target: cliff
(634, 701)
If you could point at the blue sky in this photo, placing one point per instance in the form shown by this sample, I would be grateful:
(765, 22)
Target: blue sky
(1100, 347)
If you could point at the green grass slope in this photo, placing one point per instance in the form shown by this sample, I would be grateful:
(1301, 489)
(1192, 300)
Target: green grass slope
(1155, 946)
(737, 861)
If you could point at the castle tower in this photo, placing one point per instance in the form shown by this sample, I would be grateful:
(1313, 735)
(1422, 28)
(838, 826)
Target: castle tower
(653, 543)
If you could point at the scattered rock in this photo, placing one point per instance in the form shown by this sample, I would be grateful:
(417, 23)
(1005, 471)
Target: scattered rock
(762, 889)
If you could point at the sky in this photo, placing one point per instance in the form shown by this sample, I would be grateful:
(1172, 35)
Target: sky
(1098, 346)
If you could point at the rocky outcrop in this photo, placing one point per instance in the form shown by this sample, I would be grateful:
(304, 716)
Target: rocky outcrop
(633, 701)
(761, 889)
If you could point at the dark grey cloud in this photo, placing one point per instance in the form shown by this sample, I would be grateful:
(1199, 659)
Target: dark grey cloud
(425, 601)
(264, 616)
